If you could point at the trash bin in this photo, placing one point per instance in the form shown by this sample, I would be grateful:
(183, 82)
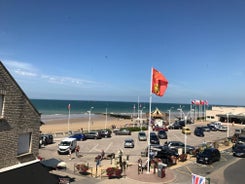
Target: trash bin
(161, 170)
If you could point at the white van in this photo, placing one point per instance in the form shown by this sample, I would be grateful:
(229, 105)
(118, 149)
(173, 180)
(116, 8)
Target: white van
(66, 144)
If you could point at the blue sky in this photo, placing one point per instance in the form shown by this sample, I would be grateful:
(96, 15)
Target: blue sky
(104, 49)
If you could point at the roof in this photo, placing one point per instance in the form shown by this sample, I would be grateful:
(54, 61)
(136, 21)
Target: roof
(69, 139)
(157, 114)
(34, 173)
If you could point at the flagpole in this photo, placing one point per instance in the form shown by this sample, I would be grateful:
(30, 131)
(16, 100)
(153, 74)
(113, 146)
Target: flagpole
(69, 107)
(149, 125)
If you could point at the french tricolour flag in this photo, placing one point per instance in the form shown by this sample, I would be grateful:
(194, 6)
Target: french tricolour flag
(196, 179)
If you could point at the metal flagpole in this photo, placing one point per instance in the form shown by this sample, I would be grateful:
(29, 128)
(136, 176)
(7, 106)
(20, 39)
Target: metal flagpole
(69, 107)
(149, 125)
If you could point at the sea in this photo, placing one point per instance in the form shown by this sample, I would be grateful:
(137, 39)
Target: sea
(59, 109)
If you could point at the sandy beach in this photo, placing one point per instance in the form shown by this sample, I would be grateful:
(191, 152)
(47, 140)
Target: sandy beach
(76, 124)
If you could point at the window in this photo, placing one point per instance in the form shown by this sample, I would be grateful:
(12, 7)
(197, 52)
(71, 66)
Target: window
(1, 105)
(24, 143)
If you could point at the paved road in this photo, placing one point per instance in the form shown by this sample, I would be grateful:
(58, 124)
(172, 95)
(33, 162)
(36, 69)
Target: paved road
(91, 148)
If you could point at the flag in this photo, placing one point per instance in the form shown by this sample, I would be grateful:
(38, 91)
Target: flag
(196, 179)
(69, 106)
(159, 83)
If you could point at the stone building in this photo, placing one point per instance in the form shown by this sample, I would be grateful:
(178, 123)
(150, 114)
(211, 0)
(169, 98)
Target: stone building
(19, 125)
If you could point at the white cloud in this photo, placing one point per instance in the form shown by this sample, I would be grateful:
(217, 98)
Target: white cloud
(21, 68)
(29, 72)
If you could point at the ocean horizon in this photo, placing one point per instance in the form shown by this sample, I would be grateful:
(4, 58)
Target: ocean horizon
(58, 109)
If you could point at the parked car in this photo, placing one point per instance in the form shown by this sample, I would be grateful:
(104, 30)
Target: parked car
(93, 135)
(123, 131)
(106, 133)
(78, 136)
(178, 144)
(167, 155)
(66, 145)
(162, 134)
(142, 136)
(47, 139)
(206, 128)
(129, 143)
(176, 125)
(222, 128)
(199, 131)
(212, 127)
(239, 149)
(208, 156)
(153, 138)
(186, 130)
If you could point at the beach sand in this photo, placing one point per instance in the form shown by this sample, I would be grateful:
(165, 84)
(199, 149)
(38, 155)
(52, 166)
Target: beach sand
(77, 124)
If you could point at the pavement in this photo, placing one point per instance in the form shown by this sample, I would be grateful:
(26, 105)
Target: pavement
(130, 176)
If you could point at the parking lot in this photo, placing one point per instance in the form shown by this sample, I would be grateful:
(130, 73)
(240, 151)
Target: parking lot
(90, 148)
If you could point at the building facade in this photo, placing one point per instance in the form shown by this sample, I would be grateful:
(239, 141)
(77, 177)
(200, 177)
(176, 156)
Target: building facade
(19, 124)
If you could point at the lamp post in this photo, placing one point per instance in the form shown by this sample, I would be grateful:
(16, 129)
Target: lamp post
(141, 116)
(169, 115)
(185, 116)
(89, 118)
(185, 135)
(228, 127)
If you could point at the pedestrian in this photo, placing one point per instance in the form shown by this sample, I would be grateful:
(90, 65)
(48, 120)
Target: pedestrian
(102, 154)
(77, 149)
(70, 152)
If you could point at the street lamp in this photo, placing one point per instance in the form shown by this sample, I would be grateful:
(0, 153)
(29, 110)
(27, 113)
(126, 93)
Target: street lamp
(169, 115)
(141, 112)
(181, 111)
(89, 118)
(228, 127)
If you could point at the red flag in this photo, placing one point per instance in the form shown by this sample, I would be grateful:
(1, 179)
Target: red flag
(159, 83)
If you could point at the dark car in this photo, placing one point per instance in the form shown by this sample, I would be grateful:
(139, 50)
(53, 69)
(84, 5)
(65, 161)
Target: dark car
(206, 128)
(106, 133)
(47, 139)
(180, 145)
(199, 132)
(239, 149)
(93, 135)
(123, 131)
(78, 136)
(167, 155)
(208, 156)
(162, 134)
(212, 127)
(177, 125)
(153, 138)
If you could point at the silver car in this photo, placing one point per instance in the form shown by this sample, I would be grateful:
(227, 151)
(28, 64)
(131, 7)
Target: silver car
(142, 136)
(128, 143)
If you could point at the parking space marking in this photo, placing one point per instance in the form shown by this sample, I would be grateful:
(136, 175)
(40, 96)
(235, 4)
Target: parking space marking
(107, 148)
(94, 148)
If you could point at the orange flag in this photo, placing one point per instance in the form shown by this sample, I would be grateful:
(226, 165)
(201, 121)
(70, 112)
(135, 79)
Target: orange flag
(159, 83)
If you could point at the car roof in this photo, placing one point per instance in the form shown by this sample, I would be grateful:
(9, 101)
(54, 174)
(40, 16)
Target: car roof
(69, 139)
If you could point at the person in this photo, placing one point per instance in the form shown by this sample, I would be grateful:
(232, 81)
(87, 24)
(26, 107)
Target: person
(102, 154)
(77, 149)
(70, 151)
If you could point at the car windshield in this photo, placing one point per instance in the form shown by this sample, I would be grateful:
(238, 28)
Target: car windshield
(65, 143)
(141, 133)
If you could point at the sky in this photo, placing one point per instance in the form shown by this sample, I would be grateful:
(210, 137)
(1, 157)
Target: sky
(105, 49)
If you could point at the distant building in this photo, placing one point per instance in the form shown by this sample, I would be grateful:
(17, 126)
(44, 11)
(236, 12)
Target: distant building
(222, 113)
